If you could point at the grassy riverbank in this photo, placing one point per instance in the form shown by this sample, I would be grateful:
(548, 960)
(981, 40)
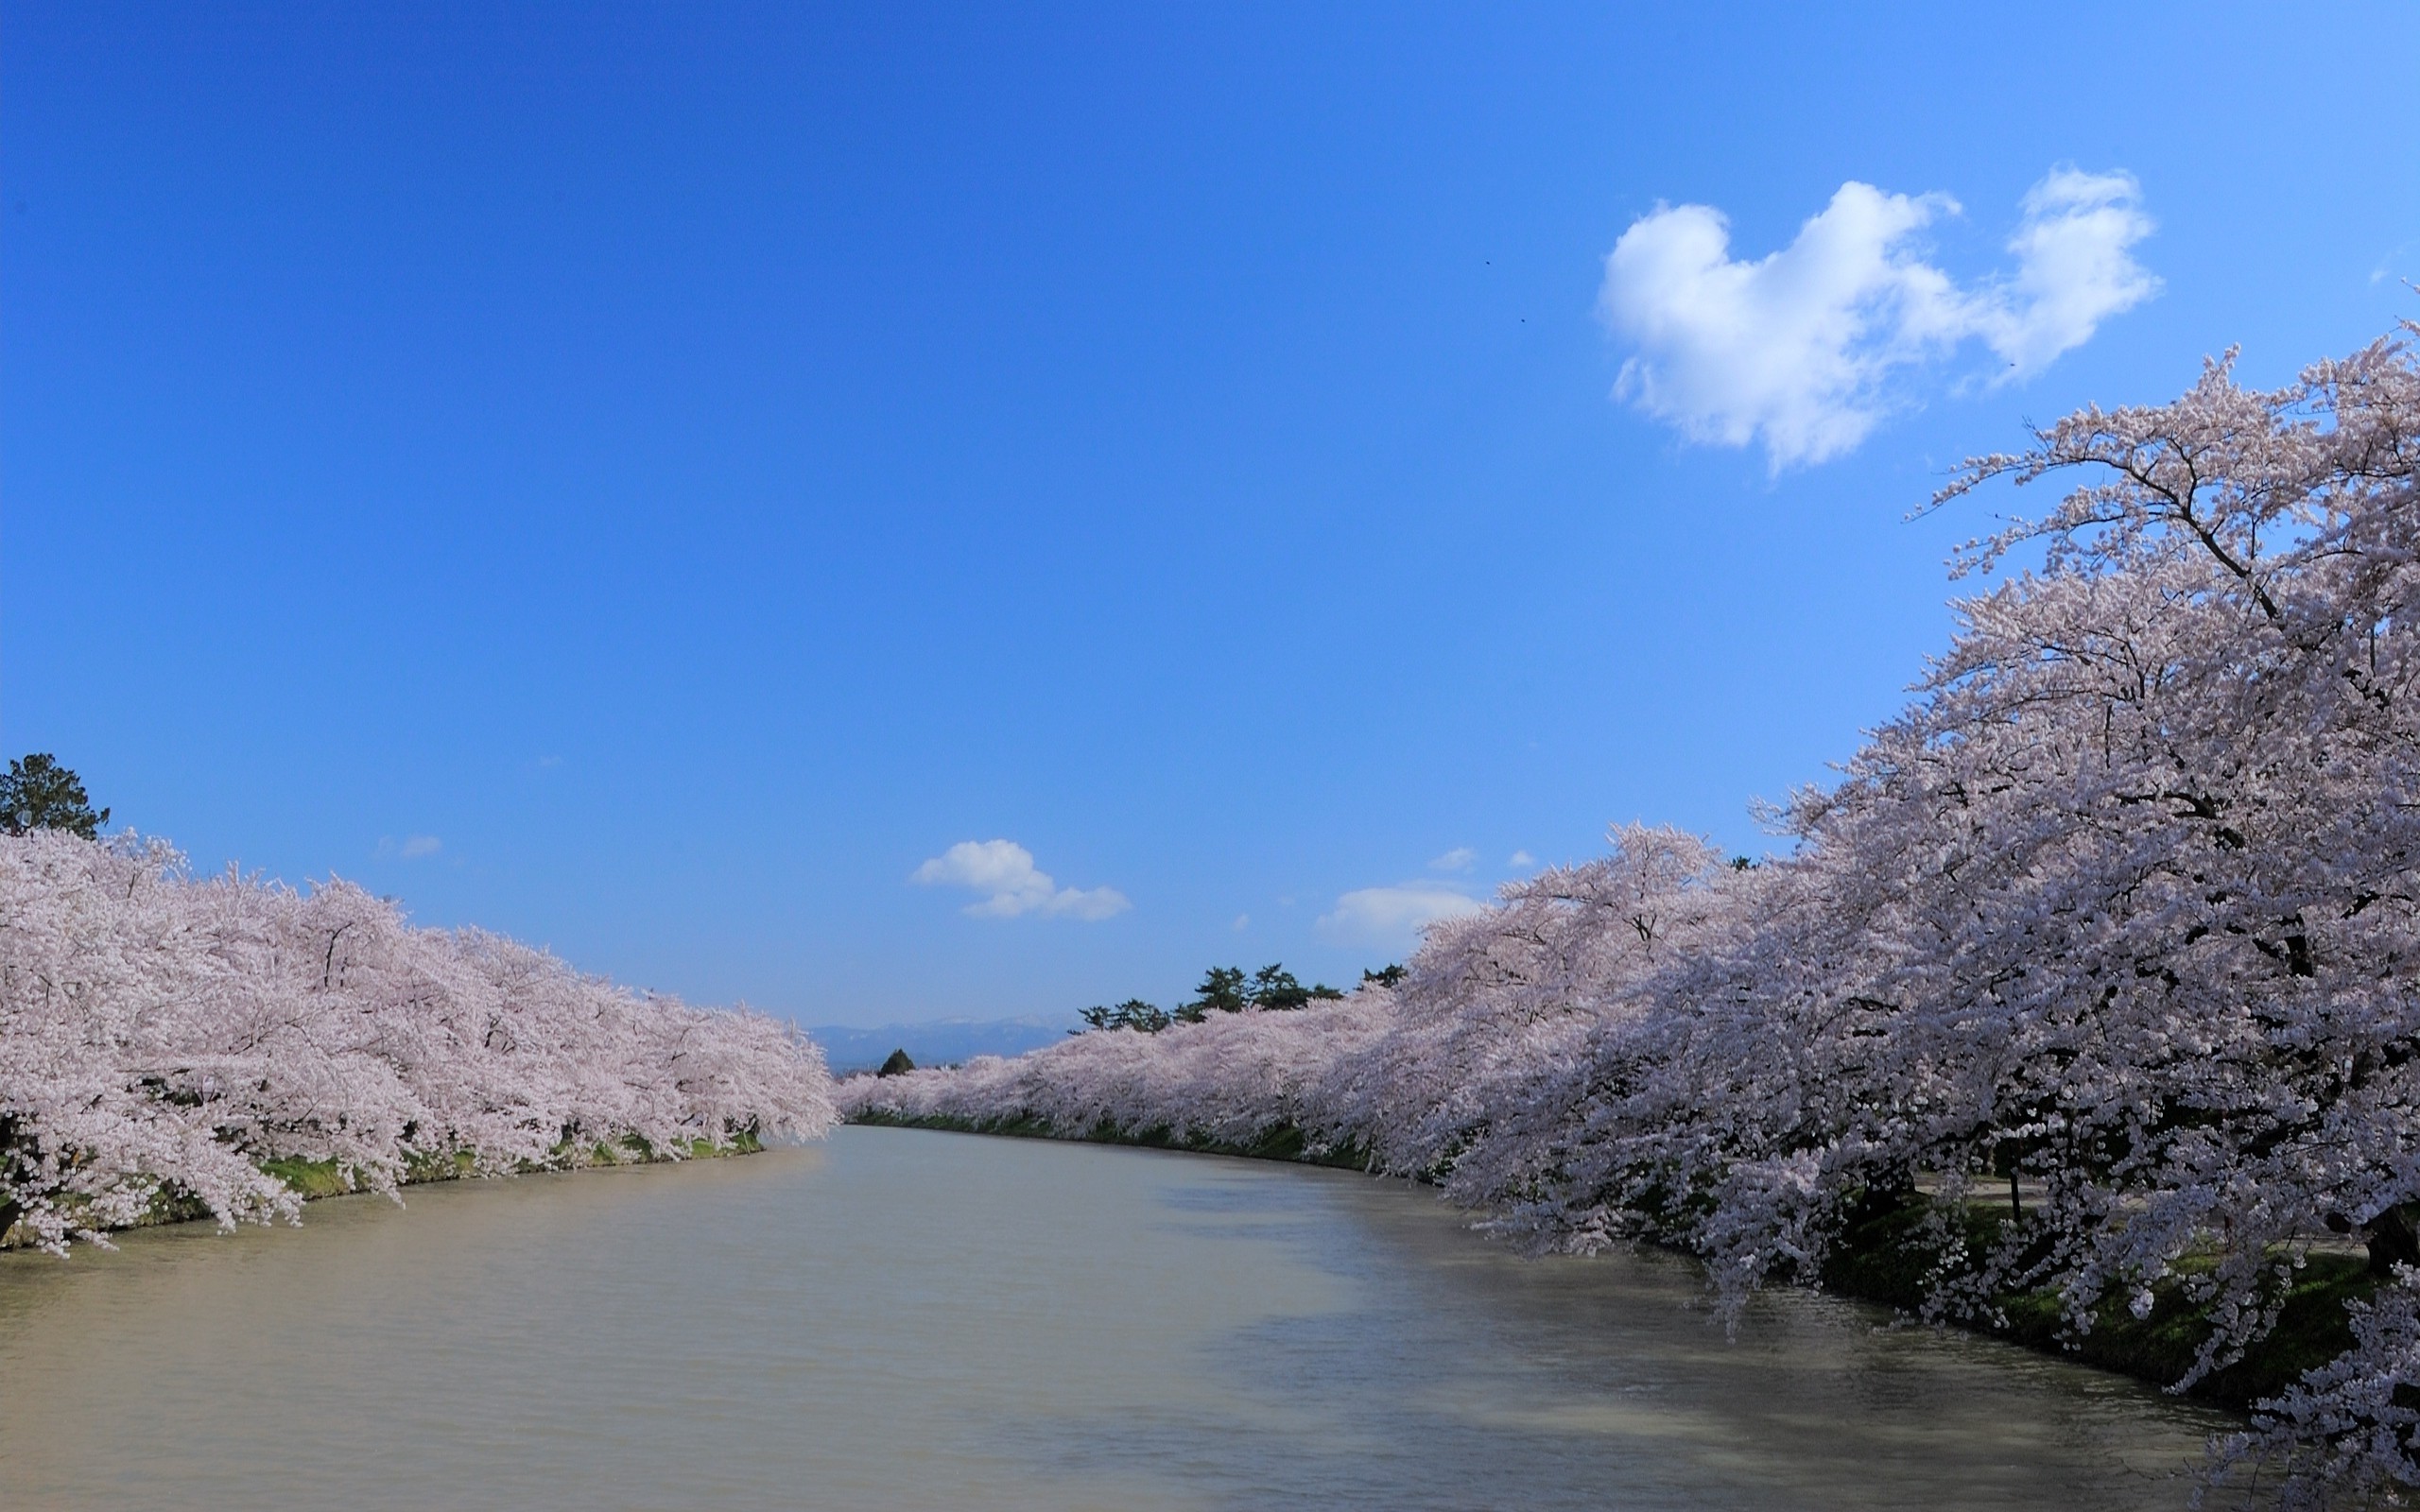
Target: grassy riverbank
(314, 1179)
(1879, 1261)
(1284, 1143)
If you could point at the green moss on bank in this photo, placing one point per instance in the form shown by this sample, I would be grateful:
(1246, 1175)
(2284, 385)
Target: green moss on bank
(310, 1179)
(1883, 1260)
(314, 1179)
(1286, 1143)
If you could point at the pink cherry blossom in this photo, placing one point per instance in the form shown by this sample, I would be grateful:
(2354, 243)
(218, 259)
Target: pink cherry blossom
(2127, 899)
(161, 1036)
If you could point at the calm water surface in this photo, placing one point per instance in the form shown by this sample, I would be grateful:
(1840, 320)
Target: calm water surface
(901, 1319)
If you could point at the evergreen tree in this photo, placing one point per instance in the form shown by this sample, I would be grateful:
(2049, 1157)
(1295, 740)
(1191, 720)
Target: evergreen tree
(1132, 1014)
(1223, 989)
(38, 794)
(1275, 988)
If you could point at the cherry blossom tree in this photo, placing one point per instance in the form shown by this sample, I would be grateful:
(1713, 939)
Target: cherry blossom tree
(161, 1036)
(2121, 910)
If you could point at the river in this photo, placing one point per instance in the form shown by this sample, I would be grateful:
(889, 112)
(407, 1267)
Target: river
(900, 1319)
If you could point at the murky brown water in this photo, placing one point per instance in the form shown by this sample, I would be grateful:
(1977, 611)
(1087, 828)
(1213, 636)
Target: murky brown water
(913, 1320)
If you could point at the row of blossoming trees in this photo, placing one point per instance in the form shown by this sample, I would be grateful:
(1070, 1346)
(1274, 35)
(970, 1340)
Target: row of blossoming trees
(163, 1038)
(2125, 903)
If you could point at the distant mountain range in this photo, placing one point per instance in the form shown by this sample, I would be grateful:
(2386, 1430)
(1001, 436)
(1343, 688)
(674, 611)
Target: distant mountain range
(936, 1041)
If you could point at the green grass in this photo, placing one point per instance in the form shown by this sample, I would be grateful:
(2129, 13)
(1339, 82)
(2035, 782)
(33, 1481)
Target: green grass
(1283, 1143)
(1878, 1260)
(313, 1179)
(310, 1179)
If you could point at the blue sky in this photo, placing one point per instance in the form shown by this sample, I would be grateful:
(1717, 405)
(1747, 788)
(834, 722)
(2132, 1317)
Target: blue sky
(656, 480)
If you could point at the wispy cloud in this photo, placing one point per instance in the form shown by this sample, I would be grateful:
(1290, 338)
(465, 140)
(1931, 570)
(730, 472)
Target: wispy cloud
(1004, 873)
(1798, 350)
(414, 848)
(1520, 860)
(1458, 859)
(1393, 916)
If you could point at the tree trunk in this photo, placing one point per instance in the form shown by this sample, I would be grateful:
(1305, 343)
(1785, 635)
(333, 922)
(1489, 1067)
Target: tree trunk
(2392, 1241)
(11, 1209)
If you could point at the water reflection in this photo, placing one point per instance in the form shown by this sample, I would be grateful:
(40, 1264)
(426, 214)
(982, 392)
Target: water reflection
(906, 1319)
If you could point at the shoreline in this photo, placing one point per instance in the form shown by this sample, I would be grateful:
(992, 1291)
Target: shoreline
(311, 1180)
(1872, 1266)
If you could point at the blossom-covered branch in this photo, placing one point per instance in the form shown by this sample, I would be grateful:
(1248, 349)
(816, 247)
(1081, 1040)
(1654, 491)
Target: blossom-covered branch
(162, 1037)
(2122, 910)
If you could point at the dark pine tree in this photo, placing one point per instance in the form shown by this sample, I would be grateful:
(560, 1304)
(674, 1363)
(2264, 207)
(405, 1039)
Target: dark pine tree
(38, 794)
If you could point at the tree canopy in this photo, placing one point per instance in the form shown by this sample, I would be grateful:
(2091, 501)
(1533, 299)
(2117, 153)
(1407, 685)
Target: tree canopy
(1223, 989)
(1272, 988)
(2124, 906)
(37, 793)
(1132, 1014)
(164, 1037)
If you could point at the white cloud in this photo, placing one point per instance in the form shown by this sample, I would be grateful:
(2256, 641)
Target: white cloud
(1797, 349)
(2073, 268)
(1391, 916)
(1520, 860)
(415, 848)
(1458, 859)
(1243, 922)
(1004, 873)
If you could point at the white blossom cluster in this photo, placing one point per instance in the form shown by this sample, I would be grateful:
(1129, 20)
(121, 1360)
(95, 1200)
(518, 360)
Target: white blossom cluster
(1230, 1078)
(2126, 903)
(162, 1036)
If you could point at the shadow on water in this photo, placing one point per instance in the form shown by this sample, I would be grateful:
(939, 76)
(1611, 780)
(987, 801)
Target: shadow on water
(1463, 1375)
(911, 1320)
